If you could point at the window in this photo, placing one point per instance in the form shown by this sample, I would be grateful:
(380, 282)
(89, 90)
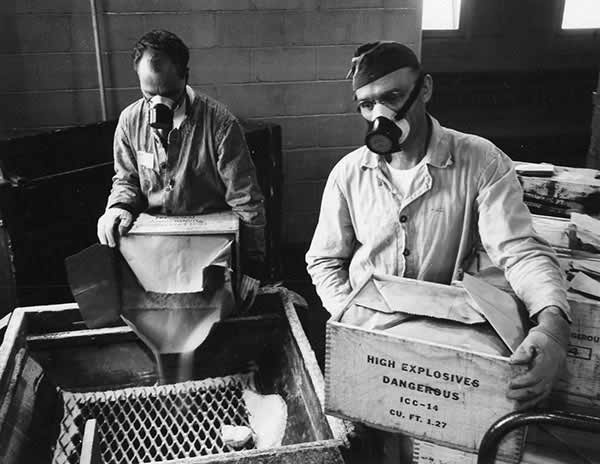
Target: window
(581, 14)
(441, 14)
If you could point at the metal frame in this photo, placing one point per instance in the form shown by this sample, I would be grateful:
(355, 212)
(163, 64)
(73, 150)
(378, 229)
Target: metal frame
(489, 444)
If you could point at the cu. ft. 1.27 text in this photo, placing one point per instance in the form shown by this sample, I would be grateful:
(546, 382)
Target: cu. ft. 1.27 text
(418, 418)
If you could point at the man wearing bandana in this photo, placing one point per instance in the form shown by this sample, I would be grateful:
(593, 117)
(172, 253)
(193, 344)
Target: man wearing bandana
(178, 152)
(415, 199)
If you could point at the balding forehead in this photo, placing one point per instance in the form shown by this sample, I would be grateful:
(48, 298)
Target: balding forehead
(156, 61)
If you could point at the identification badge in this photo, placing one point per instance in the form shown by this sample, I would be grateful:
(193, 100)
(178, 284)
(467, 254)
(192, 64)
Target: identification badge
(146, 159)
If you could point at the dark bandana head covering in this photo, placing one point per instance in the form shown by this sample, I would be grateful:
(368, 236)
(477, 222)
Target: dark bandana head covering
(376, 59)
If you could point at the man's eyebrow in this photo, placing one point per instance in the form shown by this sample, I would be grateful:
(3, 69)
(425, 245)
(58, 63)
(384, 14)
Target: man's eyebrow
(400, 92)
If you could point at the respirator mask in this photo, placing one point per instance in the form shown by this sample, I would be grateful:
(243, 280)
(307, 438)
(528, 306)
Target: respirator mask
(161, 112)
(388, 129)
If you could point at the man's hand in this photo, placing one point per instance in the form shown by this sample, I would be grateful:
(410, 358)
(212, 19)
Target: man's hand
(544, 352)
(114, 223)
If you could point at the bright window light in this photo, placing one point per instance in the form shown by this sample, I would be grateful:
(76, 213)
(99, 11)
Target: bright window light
(581, 14)
(441, 14)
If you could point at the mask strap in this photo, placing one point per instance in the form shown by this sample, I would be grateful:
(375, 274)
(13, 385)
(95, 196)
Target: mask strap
(411, 98)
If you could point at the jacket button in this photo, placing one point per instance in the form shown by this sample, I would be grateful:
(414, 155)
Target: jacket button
(403, 218)
(406, 252)
(163, 166)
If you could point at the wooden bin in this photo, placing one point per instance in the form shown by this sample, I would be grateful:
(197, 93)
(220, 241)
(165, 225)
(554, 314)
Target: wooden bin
(47, 347)
(435, 392)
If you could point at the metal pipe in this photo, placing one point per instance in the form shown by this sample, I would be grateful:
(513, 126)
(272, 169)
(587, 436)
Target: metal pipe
(491, 440)
(99, 68)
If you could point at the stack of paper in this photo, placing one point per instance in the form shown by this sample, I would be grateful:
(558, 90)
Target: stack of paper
(587, 230)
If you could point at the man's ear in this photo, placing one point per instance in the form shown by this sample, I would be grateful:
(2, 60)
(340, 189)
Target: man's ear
(427, 88)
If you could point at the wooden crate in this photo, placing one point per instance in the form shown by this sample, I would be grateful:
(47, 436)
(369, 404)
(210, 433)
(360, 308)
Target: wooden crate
(551, 451)
(47, 347)
(568, 190)
(435, 392)
(582, 374)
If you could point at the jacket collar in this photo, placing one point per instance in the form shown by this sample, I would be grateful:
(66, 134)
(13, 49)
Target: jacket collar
(438, 152)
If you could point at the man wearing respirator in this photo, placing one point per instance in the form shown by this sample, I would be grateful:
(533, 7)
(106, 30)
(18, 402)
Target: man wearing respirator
(415, 198)
(178, 152)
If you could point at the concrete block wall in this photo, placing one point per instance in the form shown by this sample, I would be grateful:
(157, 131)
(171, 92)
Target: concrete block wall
(283, 61)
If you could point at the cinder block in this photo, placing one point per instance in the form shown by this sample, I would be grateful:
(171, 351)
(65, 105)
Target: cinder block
(119, 71)
(346, 130)
(401, 26)
(35, 33)
(329, 27)
(121, 32)
(253, 100)
(297, 131)
(82, 34)
(311, 164)
(303, 28)
(334, 62)
(302, 197)
(251, 29)
(284, 64)
(64, 108)
(197, 30)
(322, 97)
(285, 4)
(54, 6)
(59, 71)
(175, 5)
(219, 65)
(337, 4)
(415, 4)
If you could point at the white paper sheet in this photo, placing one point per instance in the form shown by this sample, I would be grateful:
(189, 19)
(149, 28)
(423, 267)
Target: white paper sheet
(174, 263)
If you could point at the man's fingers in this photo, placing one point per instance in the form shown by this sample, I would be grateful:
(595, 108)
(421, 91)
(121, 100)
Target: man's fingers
(531, 401)
(523, 355)
(526, 380)
(110, 227)
(125, 222)
(527, 393)
(100, 232)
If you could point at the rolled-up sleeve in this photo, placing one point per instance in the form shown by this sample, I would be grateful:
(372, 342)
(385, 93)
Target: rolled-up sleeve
(125, 190)
(331, 249)
(508, 236)
(242, 191)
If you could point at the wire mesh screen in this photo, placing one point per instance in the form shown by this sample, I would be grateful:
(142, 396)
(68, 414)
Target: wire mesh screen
(157, 423)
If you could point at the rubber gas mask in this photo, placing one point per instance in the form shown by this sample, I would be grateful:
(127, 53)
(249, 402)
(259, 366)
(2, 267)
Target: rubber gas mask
(161, 113)
(389, 129)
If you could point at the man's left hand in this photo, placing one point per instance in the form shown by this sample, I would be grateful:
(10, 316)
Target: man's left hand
(545, 357)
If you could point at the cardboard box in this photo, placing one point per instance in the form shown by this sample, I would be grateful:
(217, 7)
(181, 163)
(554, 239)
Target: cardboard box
(436, 392)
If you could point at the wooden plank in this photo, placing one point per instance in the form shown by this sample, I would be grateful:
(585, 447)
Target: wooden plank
(555, 231)
(337, 429)
(90, 446)
(223, 222)
(569, 190)
(13, 340)
(18, 408)
(429, 391)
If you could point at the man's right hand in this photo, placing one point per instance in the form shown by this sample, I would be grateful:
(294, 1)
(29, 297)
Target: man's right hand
(114, 223)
